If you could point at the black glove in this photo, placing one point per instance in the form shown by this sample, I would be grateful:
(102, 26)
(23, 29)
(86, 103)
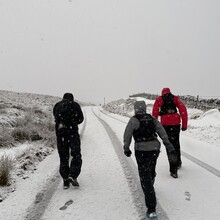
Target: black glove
(127, 153)
(184, 129)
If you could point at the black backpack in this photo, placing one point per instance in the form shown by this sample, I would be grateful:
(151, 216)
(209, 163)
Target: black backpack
(168, 106)
(64, 112)
(147, 130)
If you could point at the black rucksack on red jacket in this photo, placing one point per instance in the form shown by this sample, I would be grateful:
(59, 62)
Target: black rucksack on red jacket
(168, 107)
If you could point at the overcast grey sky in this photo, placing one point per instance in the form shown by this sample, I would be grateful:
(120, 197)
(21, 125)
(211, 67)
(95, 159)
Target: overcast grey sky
(110, 48)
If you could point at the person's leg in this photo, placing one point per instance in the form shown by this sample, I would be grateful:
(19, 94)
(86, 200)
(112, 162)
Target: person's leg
(63, 151)
(172, 132)
(76, 161)
(146, 161)
(153, 165)
(176, 143)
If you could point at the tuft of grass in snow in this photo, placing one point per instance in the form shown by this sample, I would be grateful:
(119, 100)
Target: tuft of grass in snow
(2, 111)
(19, 107)
(49, 133)
(33, 128)
(22, 134)
(2, 105)
(6, 140)
(6, 165)
(35, 125)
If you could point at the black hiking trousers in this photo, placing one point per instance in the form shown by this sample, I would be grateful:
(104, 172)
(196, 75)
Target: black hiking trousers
(68, 143)
(173, 132)
(146, 161)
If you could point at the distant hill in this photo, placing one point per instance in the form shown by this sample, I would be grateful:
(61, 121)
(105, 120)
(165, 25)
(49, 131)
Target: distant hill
(16, 99)
(44, 102)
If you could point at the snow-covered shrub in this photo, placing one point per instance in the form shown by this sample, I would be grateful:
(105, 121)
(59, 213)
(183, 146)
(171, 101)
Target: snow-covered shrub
(6, 165)
(2, 111)
(122, 107)
(24, 121)
(19, 107)
(35, 125)
(5, 138)
(48, 129)
(2, 105)
(26, 117)
(27, 133)
(38, 112)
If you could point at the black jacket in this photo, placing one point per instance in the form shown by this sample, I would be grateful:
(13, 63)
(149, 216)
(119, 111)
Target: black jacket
(67, 113)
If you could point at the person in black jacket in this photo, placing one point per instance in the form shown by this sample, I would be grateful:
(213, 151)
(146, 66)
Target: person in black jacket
(144, 129)
(68, 115)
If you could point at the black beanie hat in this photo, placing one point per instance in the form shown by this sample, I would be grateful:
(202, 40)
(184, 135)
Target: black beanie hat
(68, 96)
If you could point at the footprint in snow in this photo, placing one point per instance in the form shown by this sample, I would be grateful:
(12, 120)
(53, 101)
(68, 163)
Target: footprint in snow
(187, 196)
(69, 202)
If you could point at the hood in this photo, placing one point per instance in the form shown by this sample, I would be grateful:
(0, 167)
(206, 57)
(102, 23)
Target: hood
(165, 91)
(140, 107)
(68, 96)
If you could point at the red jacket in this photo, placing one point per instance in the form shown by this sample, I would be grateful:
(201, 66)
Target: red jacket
(171, 119)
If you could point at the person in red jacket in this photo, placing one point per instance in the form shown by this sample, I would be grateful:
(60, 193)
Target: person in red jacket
(173, 116)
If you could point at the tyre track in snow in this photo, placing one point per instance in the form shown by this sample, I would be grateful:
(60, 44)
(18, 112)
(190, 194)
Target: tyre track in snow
(38, 207)
(200, 163)
(204, 165)
(131, 173)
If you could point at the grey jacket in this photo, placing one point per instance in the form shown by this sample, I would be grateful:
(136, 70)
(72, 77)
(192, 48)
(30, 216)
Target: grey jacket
(133, 125)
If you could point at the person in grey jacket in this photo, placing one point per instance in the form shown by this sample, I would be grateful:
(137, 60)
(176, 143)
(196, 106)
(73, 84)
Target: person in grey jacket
(144, 128)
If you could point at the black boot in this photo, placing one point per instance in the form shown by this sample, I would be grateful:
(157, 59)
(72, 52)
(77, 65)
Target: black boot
(174, 175)
(73, 181)
(66, 183)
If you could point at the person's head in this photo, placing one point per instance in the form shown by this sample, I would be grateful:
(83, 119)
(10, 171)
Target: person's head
(68, 96)
(165, 91)
(140, 107)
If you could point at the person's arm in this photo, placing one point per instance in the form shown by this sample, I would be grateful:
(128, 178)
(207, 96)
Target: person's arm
(128, 136)
(79, 117)
(55, 113)
(182, 111)
(54, 110)
(156, 107)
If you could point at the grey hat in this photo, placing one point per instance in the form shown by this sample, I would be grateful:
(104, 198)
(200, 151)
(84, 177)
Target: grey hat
(140, 107)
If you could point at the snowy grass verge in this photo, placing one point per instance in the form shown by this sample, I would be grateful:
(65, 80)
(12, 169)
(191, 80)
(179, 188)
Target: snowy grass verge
(18, 163)
(33, 126)
(6, 164)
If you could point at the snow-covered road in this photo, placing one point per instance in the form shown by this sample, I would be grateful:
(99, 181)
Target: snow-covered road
(195, 194)
(103, 191)
(109, 185)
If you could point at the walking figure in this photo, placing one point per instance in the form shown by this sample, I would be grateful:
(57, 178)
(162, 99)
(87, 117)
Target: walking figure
(144, 129)
(173, 117)
(68, 115)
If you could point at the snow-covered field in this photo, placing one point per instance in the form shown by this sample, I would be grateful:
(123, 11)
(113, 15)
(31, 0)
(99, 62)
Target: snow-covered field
(109, 186)
(204, 126)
